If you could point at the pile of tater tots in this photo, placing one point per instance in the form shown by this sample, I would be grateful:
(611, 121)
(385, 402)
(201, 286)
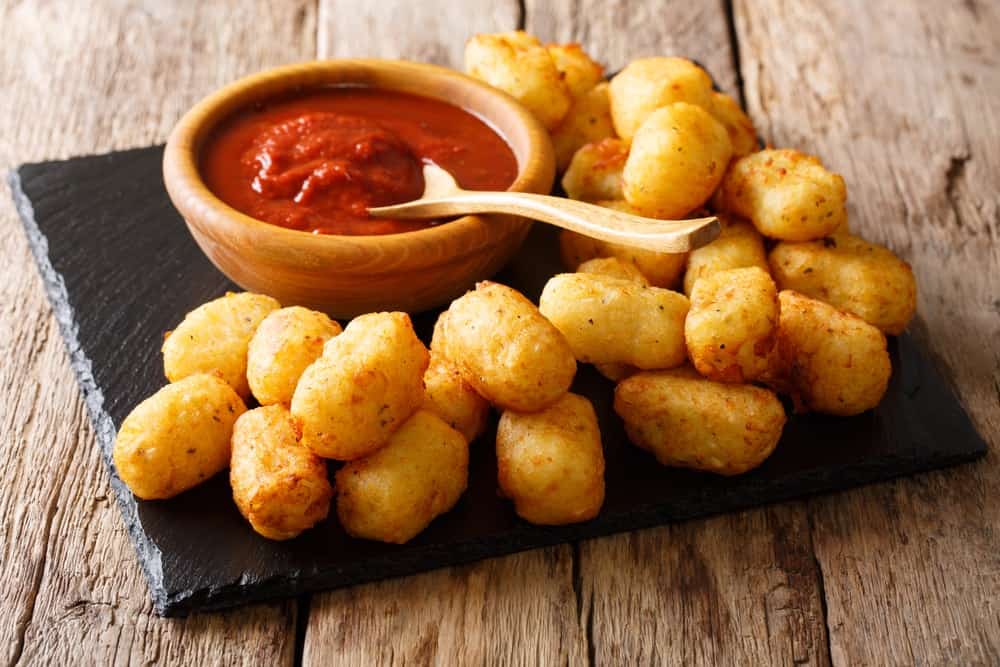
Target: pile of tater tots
(785, 302)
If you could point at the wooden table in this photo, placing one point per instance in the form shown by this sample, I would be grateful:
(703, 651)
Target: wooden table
(902, 98)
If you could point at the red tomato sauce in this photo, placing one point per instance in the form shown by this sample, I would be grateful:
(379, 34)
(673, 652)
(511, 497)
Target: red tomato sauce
(315, 161)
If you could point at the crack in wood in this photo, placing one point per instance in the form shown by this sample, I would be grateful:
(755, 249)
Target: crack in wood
(303, 607)
(954, 173)
(729, 12)
(36, 585)
(821, 586)
(585, 618)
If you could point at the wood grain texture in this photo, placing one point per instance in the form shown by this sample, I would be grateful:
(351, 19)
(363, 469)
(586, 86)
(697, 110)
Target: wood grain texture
(520, 609)
(904, 104)
(431, 31)
(514, 607)
(78, 78)
(899, 97)
(737, 589)
(619, 31)
(740, 589)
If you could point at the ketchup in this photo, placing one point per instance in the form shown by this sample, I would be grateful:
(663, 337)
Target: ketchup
(315, 161)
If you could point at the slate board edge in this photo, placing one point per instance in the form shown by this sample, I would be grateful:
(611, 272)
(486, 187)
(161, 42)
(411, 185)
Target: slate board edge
(233, 595)
(179, 603)
(149, 554)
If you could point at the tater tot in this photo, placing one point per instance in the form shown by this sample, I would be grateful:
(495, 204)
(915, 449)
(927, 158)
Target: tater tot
(678, 158)
(738, 245)
(505, 348)
(588, 121)
(438, 336)
(742, 134)
(614, 268)
(368, 382)
(394, 493)
(214, 338)
(731, 328)
(610, 320)
(279, 486)
(851, 274)
(687, 421)
(842, 228)
(595, 171)
(786, 194)
(828, 360)
(178, 437)
(579, 71)
(647, 84)
(551, 463)
(616, 372)
(453, 399)
(284, 345)
(518, 64)
(662, 269)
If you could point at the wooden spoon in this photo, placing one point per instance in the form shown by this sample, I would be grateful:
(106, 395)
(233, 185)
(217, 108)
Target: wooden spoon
(443, 198)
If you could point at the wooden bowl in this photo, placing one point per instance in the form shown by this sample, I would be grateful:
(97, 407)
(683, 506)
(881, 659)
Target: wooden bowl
(349, 275)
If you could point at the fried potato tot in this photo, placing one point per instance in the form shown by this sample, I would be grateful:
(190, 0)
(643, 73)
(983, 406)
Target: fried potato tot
(215, 336)
(394, 493)
(687, 421)
(613, 267)
(551, 463)
(828, 360)
(662, 269)
(505, 348)
(595, 171)
(579, 71)
(518, 64)
(279, 486)
(178, 437)
(611, 320)
(842, 229)
(616, 372)
(742, 135)
(284, 345)
(786, 194)
(368, 382)
(731, 329)
(647, 84)
(588, 121)
(739, 245)
(453, 399)
(678, 158)
(852, 275)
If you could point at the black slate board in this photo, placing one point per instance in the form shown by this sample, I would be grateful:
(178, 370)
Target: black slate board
(120, 269)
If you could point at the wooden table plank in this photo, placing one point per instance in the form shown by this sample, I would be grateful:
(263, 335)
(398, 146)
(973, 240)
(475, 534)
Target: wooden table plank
(910, 569)
(902, 99)
(518, 608)
(618, 32)
(432, 31)
(738, 589)
(79, 78)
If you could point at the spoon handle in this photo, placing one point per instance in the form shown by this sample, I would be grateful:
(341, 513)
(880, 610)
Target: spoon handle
(606, 224)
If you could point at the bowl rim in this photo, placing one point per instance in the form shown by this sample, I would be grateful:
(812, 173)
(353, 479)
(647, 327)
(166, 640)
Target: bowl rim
(201, 207)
